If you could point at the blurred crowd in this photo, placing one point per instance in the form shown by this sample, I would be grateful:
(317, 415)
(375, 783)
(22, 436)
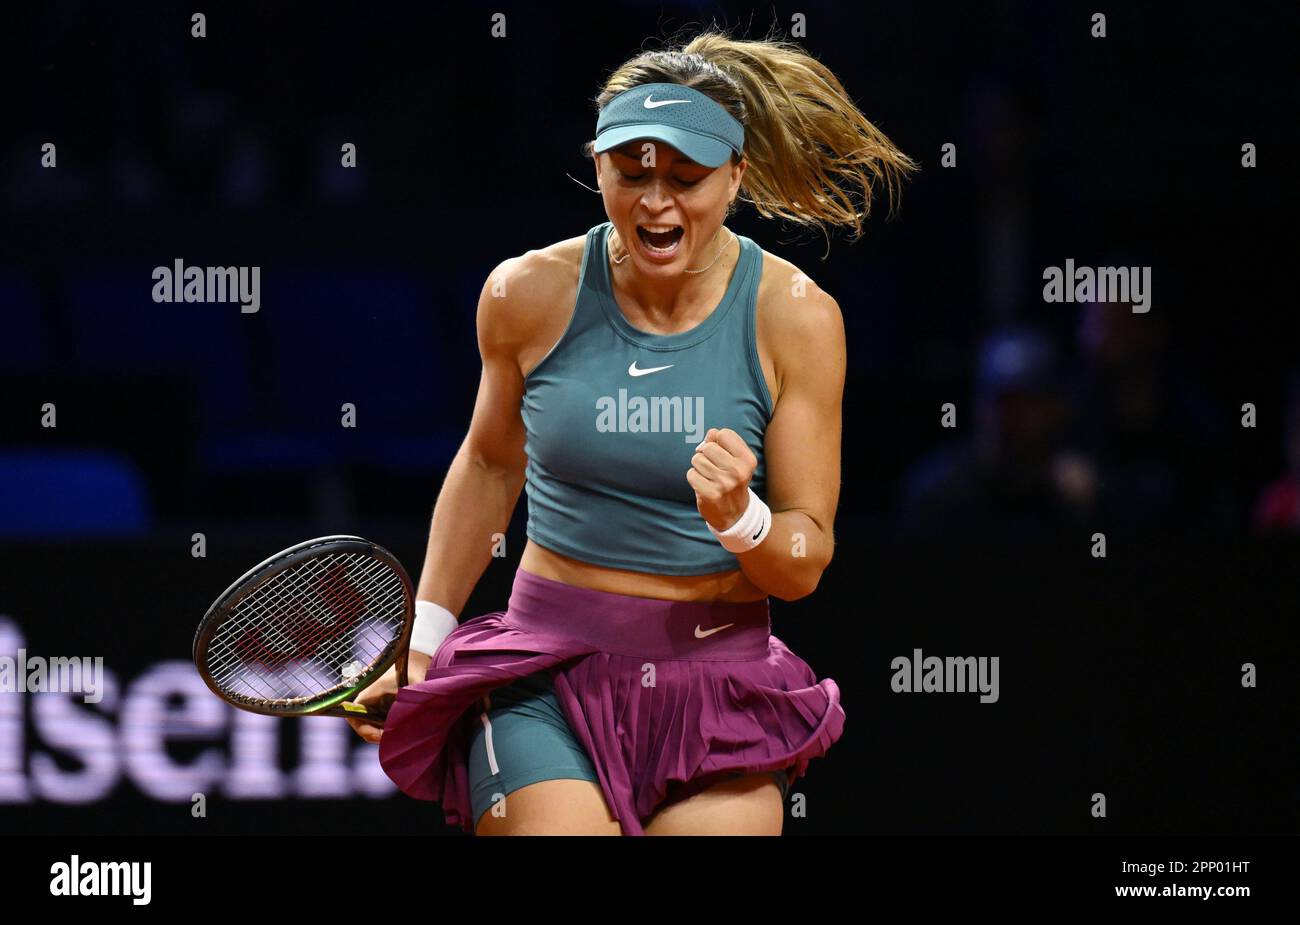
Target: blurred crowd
(227, 151)
(1116, 438)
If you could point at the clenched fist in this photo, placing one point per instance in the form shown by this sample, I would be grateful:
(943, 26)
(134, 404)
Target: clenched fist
(720, 472)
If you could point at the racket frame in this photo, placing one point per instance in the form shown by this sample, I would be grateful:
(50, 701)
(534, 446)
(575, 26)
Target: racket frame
(282, 561)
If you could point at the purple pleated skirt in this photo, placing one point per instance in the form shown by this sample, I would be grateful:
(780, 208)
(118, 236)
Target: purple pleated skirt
(655, 691)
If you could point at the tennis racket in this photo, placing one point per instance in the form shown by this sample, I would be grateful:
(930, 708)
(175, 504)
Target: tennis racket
(304, 632)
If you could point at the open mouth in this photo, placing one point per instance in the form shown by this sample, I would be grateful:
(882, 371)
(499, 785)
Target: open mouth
(660, 240)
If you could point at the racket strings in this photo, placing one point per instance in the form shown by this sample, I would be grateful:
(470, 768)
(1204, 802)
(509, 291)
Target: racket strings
(272, 614)
(312, 667)
(294, 615)
(298, 604)
(309, 631)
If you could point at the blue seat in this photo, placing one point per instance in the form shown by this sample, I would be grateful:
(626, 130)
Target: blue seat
(369, 336)
(66, 493)
(116, 328)
(24, 345)
(343, 335)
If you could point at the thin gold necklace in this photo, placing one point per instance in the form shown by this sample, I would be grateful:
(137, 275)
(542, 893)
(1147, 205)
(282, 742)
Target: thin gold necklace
(702, 269)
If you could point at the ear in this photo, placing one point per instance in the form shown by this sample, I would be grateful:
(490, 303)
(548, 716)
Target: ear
(740, 176)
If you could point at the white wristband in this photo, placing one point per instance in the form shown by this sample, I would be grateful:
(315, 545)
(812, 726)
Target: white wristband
(433, 624)
(750, 530)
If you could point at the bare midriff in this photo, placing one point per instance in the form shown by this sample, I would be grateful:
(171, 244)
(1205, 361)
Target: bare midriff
(730, 587)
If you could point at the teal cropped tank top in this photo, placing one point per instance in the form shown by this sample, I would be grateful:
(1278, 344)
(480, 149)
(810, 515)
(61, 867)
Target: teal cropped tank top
(612, 416)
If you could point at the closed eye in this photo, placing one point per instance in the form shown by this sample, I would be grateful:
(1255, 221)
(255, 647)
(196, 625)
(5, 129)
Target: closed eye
(633, 179)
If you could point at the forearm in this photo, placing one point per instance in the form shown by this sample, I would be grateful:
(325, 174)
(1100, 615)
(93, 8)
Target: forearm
(789, 562)
(474, 505)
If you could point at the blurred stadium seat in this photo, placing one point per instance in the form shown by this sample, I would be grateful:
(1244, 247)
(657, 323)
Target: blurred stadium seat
(116, 328)
(66, 494)
(367, 337)
(328, 336)
(24, 345)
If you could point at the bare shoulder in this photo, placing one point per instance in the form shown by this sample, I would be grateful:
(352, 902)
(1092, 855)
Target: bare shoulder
(527, 299)
(799, 324)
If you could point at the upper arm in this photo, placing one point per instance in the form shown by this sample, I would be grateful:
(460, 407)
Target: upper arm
(506, 325)
(803, 438)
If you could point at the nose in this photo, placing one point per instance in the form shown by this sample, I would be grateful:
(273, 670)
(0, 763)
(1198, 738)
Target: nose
(656, 196)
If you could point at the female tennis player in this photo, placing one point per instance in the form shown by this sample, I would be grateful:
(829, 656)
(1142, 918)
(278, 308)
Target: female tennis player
(669, 394)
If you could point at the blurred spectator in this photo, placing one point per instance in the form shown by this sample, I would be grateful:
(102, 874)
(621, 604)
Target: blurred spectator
(1011, 475)
(1278, 506)
(1155, 436)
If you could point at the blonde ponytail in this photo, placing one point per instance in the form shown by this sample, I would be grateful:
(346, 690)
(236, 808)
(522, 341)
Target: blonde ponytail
(814, 158)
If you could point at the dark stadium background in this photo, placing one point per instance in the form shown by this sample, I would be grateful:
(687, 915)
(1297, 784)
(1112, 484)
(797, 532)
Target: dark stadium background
(1118, 675)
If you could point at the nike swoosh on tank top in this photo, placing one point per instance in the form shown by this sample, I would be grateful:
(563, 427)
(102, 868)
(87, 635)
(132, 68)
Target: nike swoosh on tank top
(609, 444)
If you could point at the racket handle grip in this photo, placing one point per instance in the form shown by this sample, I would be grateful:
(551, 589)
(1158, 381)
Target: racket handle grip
(369, 714)
(374, 717)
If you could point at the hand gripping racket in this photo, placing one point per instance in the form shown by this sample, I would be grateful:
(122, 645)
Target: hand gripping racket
(308, 629)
